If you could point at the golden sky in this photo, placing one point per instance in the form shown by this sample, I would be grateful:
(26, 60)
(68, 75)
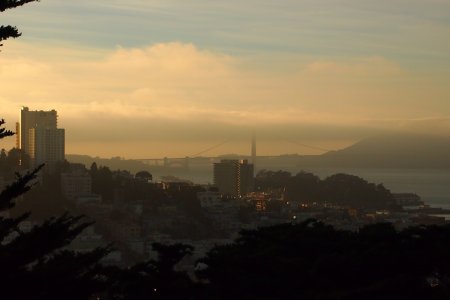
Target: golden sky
(171, 78)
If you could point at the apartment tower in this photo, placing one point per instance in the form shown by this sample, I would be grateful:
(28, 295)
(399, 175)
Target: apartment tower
(234, 177)
(40, 138)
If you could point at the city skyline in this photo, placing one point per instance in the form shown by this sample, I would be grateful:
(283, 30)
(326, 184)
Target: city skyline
(151, 75)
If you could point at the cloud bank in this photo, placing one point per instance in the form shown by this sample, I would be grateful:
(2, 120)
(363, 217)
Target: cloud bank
(171, 92)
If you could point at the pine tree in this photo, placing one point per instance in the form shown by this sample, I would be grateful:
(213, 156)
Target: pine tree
(9, 31)
(34, 264)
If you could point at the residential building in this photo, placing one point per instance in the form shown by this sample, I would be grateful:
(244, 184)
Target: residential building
(46, 146)
(227, 176)
(234, 177)
(40, 138)
(246, 177)
(31, 119)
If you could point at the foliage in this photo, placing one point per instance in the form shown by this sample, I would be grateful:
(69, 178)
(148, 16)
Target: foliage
(156, 279)
(339, 189)
(314, 261)
(102, 182)
(9, 31)
(3, 131)
(36, 259)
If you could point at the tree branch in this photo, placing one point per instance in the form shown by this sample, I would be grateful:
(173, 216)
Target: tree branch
(19, 187)
(3, 131)
(7, 4)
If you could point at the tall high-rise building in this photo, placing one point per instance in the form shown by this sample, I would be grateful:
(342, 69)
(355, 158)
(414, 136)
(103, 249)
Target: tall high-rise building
(31, 119)
(233, 177)
(227, 176)
(40, 138)
(46, 145)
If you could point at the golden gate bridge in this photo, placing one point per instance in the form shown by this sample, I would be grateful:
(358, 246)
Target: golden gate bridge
(184, 162)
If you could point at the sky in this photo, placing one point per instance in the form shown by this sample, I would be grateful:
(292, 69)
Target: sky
(153, 78)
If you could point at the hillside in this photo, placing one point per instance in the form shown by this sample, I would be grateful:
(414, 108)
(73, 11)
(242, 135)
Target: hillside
(391, 151)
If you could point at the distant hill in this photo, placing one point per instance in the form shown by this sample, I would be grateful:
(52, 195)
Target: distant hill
(389, 151)
(113, 163)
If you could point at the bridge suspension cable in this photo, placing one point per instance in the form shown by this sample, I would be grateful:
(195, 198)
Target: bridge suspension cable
(211, 148)
(303, 145)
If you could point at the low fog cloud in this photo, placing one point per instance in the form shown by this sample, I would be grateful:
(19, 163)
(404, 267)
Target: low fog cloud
(172, 92)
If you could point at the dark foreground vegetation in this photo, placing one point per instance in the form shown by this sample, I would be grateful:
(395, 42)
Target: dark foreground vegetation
(314, 261)
(338, 189)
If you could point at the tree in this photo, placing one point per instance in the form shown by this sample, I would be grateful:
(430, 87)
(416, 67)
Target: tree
(312, 260)
(35, 264)
(144, 176)
(339, 189)
(102, 182)
(3, 131)
(9, 31)
(37, 259)
(17, 157)
(156, 279)
(94, 169)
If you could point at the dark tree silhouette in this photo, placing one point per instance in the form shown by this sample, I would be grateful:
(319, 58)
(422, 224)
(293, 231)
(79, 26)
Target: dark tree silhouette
(35, 264)
(156, 279)
(340, 189)
(312, 260)
(3, 131)
(8, 31)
